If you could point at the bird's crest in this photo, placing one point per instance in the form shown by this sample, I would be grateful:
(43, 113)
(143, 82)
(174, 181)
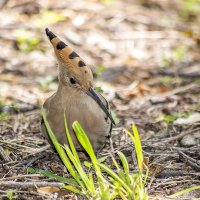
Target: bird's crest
(70, 59)
(63, 52)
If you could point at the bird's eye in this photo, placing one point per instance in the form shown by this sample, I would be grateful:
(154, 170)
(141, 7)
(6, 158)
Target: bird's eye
(72, 81)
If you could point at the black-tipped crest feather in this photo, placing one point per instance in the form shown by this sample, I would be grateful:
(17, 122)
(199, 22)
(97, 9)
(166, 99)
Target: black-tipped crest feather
(49, 34)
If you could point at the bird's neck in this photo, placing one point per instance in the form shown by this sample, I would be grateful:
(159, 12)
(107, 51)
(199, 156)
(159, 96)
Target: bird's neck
(69, 95)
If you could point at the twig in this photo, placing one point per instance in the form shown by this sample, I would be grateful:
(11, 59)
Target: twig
(180, 136)
(178, 90)
(42, 149)
(111, 146)
(28, 162)
(181, 89)
(167, 182)
(13, 184)
(4, 156)
(33, 160)
(20, 177)
(39, 150)
(191, 161)
(181, 74)
(172, 173)
(18, 145)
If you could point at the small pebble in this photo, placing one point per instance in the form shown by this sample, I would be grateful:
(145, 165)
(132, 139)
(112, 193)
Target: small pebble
(188, 140)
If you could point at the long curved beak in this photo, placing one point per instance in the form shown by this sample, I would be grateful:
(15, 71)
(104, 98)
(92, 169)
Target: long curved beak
(101, 102)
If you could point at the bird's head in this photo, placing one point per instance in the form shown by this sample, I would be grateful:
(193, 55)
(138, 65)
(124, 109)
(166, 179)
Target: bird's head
(73, 71)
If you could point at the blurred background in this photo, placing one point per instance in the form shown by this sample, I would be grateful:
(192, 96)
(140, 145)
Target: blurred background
(128, 44)
(145, 56)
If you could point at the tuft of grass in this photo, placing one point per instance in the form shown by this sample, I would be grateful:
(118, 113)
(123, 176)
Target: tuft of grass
(26, 41)
(171, 118)
(179, 53)
(94, 184)
(189, 7)
(10, 195)
(98, 70)
(49, 17)
(166, 80)
(176, 56)
(99, 89)
(4, 116)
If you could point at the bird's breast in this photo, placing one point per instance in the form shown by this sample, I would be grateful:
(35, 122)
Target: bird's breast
(91, 117)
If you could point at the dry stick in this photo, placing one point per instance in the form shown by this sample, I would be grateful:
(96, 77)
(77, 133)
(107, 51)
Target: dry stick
(39, 150)
(175, 91)
(29, 162)
(4, 156)
(13, 184)
(172, 173)
(180, 89)
(18, 145)
(27, 192)
(187, 159)
(165, 183)
(21, 177)
(153, 177)
(178, 137)
(181, 74)
(111, 146)
(33, 160)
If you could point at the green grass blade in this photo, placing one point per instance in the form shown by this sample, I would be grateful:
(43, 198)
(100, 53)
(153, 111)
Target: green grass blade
(115, 163)
(73, 189)
(185, 191)
(52, 175)
(120, 172)
(115, 176)
(105, 195)
(124, 162)
(84, 141)
(100, 160)
(138, 147)
(89, 185)
(116, 185)
(87, 164)
(113, 195)
(122, 195)
(71, 144)
(125, 166)
(91, 178)
(59, 149)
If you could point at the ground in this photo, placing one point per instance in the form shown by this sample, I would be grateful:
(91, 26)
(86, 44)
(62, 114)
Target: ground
(145, 57)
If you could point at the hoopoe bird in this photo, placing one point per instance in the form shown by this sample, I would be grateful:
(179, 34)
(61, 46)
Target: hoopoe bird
(76, 98)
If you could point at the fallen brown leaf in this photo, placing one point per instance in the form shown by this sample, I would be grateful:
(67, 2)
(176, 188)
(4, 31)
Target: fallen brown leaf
(48, 189)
